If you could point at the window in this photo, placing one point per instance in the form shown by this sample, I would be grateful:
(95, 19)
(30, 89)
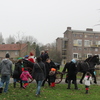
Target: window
(91, 36)
(96, 49)
(65, 44)
(79, 48)
(80, 35)
(87, 43)
(96, 36)
(75, 55)
(89, 55)
(74, 35)
(74, 48)
(77, 42)
(64, 52)
(16, 52)
(85, 49)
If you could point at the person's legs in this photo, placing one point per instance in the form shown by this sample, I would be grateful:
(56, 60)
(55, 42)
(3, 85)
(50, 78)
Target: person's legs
(39, 83)
(87, 88)
(25, 84)
(69, 82)
(44, 81)
(75, 83)
(48, 80)
(15, 80)
(7, 79)
(3, 79)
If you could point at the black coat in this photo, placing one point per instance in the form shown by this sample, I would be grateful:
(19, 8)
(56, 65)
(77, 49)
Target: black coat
(17, 70)
(39, 73)
(52, 78)
(48, 68)
(46, 56)
(71, 69)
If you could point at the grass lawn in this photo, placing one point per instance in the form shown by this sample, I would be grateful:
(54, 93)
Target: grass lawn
(57, 93)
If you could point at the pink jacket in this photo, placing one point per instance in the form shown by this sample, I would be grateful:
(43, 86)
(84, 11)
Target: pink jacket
(25, 75)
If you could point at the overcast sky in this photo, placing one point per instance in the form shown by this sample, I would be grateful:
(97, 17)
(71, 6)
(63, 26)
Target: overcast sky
(46, 20)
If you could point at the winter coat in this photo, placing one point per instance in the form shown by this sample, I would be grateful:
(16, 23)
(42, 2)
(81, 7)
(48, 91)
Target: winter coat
(6, 67)
(87, 81)
(39, 73)
(46, 56)
(72, 71)
(28, 63)
(48, 68)
(25, 76)
(43, 57)
(18, 70)
(31, 58)
(52, 75)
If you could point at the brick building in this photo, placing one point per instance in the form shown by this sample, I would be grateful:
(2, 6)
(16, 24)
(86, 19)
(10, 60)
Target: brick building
(15, 50)
(78, 44)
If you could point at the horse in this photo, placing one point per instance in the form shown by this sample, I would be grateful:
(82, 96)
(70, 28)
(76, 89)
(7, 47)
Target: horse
(88, 66)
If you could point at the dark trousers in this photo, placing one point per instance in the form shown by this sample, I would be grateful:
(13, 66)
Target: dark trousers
(47, 79)
(86, 88)
(74, 82)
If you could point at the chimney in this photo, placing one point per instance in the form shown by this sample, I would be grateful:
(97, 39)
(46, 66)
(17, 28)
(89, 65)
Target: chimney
(68, 28)
(89, 29)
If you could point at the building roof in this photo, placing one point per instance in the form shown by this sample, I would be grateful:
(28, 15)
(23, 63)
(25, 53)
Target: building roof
(12, 46)
(81, 31)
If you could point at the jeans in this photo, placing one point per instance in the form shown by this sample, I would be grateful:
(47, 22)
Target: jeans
(5, 79)
(39, 83)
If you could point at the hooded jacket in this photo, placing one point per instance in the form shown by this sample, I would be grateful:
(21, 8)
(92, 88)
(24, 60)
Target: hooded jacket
(6, 67)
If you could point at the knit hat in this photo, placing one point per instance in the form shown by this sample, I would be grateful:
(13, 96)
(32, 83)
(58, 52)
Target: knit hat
(20, 58)
(73, 60)
(7, 55)
(31, 54)
(53, 69)
(26, 56)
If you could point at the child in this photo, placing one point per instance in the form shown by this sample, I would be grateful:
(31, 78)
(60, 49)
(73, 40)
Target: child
(87, 81)
(24, 77)
(52, 75)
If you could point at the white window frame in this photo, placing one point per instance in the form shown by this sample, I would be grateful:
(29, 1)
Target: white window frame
(89, 54)
(76, 54)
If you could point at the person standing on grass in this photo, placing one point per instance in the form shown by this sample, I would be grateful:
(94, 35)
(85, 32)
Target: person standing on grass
(72, 71)
(46, 55)
(19, 67)
(87, 81)
(38, 73)
(6, 72)
(48, 68)
(25, 77)
(52, 75)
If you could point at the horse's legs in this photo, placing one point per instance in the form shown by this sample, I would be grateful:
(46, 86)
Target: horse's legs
(82, 77)
(93, 77)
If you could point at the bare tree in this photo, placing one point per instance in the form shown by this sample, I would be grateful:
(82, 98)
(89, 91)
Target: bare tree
(29, 39)
(10, 40)
(1, 38)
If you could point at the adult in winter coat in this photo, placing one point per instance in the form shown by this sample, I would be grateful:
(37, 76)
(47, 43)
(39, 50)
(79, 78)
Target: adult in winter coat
(38, 73)
(6, 72)
(46, 55)
(72, 71)
(48, 68)
(42, 56)
(17, 71)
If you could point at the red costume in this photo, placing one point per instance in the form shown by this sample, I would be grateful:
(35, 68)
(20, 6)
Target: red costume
(31, 57)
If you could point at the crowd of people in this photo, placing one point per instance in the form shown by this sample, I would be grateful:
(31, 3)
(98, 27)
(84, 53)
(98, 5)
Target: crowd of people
(43, 70)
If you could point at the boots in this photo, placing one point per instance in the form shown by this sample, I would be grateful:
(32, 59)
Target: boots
(1, 89)
(14, 84)
(86, 92)
(69, 82)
